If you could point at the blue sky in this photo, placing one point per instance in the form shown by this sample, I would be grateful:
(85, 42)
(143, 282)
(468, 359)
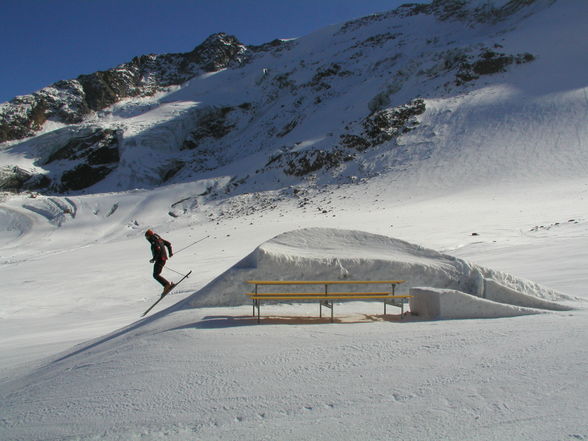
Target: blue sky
(44, 41)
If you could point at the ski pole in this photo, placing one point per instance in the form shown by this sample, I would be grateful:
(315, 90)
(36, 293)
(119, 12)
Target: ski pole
(173, 270)
(193, 243)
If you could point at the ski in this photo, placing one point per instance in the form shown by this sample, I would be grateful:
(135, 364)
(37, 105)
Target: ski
(163, 295)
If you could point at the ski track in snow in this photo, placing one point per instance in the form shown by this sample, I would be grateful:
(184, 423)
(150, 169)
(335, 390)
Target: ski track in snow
(321, 379)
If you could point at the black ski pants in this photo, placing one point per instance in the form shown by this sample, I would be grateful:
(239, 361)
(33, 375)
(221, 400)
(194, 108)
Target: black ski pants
(157, 269)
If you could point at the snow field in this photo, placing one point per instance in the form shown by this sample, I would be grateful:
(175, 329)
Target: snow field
(211, 372)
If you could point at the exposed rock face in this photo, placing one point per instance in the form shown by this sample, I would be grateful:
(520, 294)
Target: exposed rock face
(378, 128)
(18, 179)
(385, 125)
(13, 178)
(303, 163)
(217, 52)
(99, 147)
(489, 62)
(212, 124)
(83, 176)
(88, 159)
(83, 161)
(70, 101)
(22, 117)
(388, 124)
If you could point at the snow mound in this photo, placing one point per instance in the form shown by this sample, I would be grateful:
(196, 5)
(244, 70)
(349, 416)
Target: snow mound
(336, 254)
(13, 225)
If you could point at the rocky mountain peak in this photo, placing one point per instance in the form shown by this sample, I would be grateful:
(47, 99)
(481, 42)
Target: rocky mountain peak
(217, 52)
(70, 101)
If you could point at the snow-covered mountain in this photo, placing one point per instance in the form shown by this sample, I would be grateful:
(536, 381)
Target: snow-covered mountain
(443, 144)
(373, 96)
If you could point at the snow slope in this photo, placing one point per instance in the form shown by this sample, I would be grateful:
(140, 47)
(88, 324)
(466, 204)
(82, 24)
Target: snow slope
(492, 181)
(212, 373)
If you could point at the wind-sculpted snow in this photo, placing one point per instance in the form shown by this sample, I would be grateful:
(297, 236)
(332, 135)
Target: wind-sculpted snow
(430, 303)
(335, 254)
(13, 224)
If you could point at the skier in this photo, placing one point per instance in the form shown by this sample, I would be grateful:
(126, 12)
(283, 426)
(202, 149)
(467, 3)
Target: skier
(158, 246)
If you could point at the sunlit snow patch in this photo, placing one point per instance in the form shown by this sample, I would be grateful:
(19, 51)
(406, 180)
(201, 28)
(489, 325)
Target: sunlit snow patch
(334, 254)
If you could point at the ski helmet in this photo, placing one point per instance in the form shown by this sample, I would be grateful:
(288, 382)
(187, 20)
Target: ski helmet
(149, 233)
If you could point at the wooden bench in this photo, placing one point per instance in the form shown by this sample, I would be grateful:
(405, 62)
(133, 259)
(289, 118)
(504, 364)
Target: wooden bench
(324, 296)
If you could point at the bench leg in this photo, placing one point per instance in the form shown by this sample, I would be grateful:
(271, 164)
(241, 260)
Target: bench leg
(256, 304)
(326, 304)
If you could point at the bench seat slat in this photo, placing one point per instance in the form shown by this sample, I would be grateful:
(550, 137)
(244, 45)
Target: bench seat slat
(383, 293)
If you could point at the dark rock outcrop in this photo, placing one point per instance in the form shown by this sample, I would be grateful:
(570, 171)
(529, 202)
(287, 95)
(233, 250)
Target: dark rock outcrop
(99, 147)
(92, 158)
(489, 62)
(212, 124)
(305, 162)
(83, 176)
(388, 124)
(13, 178)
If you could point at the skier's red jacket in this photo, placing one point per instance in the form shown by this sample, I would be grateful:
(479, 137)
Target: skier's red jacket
(158, 246)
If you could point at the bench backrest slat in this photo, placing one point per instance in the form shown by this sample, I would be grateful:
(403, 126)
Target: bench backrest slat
(323, 297)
